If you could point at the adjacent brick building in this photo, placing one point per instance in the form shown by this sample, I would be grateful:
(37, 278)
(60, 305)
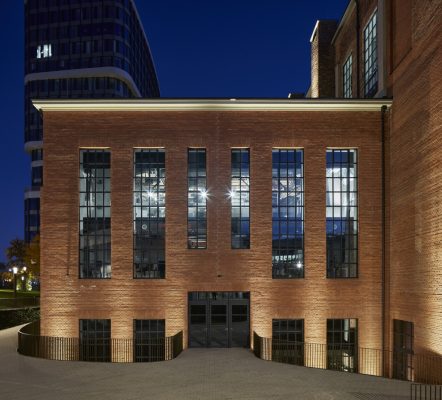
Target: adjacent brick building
(408, 68)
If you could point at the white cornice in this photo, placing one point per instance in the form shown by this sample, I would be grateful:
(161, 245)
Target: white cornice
(314, 31)
(211, 105)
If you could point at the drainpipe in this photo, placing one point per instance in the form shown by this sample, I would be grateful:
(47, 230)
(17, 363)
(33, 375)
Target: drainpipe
(358, 45)
(383, 111)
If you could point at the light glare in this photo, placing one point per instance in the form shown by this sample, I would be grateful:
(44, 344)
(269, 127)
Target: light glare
(204, 194)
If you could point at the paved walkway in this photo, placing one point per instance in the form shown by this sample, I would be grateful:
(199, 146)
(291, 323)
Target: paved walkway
(208, 374)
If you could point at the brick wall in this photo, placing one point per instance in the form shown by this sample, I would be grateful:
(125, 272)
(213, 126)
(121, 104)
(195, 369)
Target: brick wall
(413, 162)
(415, 181)
(322, 60)
(65, 298)
(345, 44)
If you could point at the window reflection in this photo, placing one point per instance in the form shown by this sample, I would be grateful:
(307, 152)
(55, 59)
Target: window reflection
(95, 219)
(342, 213)
(149, 204)
(342, 344)
(287, 213)
(197, 199)
(240, 199)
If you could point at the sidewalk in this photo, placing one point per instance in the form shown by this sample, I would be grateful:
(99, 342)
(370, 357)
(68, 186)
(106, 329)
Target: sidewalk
(195, 374)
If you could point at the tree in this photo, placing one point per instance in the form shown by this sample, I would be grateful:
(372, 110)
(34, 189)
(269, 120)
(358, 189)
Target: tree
(16, 252)
(32, 256)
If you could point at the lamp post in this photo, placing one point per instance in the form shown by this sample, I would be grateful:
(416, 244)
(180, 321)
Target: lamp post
(14, 271)
(23, 278)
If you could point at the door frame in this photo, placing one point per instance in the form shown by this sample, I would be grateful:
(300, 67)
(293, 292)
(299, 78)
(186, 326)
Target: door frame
(229, 300)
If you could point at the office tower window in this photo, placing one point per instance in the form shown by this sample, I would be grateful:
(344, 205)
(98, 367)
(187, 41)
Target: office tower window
(403, 337)
(95, 214)
(342, 344)
(370, 57)
(197, 199)
(149, 204)
(95, 340)
(37, 176)
(342, 213)
(287, 213)
(240, 198)
(149, 338)
(347, 77)
(37, 155)
(32, 217)
(288, 341)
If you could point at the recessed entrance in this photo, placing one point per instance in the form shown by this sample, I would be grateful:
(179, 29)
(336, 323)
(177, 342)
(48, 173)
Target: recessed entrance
(219, 319)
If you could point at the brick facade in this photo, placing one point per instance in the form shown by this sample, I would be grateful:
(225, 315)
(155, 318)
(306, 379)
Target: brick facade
(322, 59)
(66, 299)
(415, 180)
(410, 59)
(410, 64)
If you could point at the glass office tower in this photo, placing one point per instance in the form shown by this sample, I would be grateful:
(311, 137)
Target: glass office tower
(79, 49)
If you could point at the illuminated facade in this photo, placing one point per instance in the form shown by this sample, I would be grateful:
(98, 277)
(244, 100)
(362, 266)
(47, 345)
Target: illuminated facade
(215, 217)
(74, 49)
(392, 48)
(313, 222)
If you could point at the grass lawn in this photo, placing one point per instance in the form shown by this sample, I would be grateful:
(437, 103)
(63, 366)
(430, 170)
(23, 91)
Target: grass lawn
(9, 294)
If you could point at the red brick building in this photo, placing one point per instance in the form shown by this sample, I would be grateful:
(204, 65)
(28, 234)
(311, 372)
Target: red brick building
(392, 48)
(309, 221)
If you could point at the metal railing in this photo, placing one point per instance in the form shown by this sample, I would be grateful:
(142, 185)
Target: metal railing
(413, 367)
(419, 391)
(20, 302)
(31, 343)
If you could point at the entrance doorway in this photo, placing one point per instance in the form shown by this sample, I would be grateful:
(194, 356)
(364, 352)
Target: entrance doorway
(403, 334)
(219, 319)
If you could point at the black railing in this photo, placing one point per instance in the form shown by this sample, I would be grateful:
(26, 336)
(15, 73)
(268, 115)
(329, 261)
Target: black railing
(425, 392)
(31, 343)
(20, 302)
(425, 368)
(177, 345)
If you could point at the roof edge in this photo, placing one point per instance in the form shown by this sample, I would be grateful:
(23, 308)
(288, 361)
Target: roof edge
(350, 7)
(212, 105)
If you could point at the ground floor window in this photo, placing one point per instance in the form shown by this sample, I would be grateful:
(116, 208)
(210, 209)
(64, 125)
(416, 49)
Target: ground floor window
(149, 339)
(95, 340)
(288, 341)
(342, 344)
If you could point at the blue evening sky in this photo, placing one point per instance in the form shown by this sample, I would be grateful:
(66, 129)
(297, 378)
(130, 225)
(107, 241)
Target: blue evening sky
(224, 48)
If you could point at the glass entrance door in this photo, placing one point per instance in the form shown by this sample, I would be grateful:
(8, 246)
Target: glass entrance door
(219, 327)
(198, 324)
(239, 324)
(219, 319)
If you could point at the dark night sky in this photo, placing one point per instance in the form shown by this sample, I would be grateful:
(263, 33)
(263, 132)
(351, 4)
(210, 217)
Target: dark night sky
(228, 48)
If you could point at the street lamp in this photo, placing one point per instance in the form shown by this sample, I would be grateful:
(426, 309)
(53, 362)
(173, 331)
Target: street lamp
(14, 271)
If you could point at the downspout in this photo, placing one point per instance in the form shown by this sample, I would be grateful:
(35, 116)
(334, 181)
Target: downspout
(383, 111)
(358, 44)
